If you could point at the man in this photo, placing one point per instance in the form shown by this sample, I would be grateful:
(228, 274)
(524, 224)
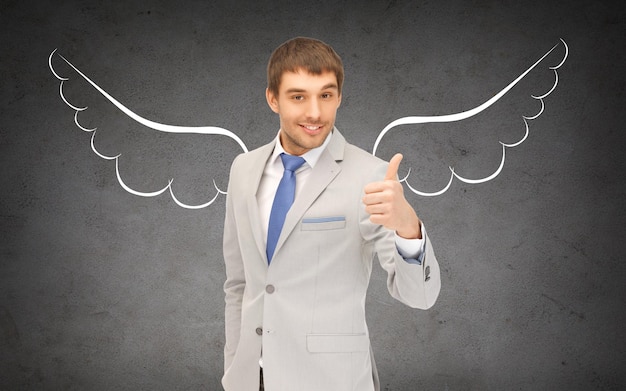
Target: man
(295, 285)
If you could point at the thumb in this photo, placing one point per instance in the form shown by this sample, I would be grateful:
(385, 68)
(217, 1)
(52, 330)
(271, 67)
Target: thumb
(392, 169)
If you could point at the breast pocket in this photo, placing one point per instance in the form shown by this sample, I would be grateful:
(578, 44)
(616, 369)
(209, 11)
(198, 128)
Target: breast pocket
(323, 223)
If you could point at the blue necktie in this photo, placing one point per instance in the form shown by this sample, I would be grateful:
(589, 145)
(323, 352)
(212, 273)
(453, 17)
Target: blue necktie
(283, 199)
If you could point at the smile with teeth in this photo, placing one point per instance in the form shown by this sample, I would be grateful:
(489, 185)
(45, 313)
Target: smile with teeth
(312, 128)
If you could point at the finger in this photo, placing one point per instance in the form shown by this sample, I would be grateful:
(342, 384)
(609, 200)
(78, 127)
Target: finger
(374, 187)
(377, 209)
(377, 197)
(392, 169)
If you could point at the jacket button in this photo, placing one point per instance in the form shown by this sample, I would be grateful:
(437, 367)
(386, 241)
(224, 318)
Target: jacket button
(259, 331)
(270, 289)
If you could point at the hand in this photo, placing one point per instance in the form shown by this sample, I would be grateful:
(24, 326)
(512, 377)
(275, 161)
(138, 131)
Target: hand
(385, 203)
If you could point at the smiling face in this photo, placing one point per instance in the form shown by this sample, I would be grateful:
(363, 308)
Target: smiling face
(307, 106)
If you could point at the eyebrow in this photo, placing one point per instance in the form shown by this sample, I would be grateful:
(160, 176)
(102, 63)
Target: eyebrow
(326, 87)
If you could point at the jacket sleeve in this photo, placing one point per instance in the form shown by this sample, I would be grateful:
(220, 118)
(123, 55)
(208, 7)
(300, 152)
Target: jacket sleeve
(235, 277)
(416, 285)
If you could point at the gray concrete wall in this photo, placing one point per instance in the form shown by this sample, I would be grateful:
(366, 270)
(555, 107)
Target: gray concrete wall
(101, 289)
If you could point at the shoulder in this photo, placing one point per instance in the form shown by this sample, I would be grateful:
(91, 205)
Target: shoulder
(359, 162)
(348, 154)
(251, 159)
(354, 154)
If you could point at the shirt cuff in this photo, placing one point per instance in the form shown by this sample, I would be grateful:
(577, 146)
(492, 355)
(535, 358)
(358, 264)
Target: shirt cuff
(412, 250)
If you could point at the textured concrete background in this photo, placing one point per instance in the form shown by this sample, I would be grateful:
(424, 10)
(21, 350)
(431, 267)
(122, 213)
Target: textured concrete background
(101, 289)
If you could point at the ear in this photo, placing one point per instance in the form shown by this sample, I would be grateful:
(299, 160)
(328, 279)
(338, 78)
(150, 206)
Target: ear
(272, 100)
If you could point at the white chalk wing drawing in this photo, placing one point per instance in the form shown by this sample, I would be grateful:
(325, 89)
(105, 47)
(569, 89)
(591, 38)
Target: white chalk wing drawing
(211, 131)
(472, 112)
(203, 130)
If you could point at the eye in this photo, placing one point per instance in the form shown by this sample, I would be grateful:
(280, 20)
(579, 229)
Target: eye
(297, 97)
(327, 95)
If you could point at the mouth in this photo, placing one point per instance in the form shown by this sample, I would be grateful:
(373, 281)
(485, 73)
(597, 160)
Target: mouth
(312, 130)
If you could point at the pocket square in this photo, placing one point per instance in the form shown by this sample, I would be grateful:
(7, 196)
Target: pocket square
(323, 223)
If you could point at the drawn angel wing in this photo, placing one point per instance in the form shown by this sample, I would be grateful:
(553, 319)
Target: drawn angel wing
(205, 130)
(449, 118)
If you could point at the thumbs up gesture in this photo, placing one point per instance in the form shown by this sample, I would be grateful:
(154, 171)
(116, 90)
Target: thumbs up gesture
(385, 203)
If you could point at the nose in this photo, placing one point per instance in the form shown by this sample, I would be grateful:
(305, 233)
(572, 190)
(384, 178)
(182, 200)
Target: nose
(313, 110)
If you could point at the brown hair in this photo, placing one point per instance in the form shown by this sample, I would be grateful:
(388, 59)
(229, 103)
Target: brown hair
(310, 54)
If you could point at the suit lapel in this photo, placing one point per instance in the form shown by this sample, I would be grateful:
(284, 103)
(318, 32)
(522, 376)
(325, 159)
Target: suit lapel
(256, 169)
(322, 175)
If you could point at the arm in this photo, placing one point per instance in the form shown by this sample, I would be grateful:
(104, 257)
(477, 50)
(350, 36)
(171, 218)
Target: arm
(416, 284)
(235, 280)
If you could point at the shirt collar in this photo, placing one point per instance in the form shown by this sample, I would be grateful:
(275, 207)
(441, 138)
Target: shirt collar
(311, 157)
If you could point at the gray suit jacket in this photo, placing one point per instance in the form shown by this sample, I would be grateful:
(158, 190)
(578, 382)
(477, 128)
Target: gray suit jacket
(305, 312)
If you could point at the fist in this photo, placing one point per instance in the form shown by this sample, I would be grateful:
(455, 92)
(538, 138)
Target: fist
(386, 205)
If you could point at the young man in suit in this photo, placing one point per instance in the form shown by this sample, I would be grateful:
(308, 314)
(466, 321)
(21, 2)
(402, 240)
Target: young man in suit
(296, 280)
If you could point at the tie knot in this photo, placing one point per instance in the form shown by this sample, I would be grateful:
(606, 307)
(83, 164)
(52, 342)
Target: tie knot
(290, 162)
